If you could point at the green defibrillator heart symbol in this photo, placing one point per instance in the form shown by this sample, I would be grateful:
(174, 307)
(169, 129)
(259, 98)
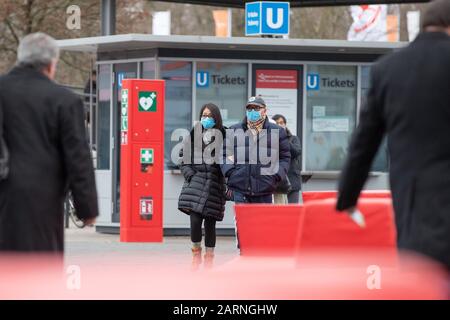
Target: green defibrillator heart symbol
(147, 101)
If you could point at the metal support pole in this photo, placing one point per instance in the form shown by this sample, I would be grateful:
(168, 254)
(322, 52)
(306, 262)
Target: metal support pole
(108, 15)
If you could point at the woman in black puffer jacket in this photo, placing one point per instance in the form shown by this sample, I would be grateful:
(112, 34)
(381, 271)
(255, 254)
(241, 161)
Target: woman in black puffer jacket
(203, 194)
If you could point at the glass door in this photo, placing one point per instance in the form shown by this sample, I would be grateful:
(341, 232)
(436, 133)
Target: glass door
(102, 148)
(121, 71)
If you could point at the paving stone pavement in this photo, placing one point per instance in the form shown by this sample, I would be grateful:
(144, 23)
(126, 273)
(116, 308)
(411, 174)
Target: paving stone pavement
(87, 244)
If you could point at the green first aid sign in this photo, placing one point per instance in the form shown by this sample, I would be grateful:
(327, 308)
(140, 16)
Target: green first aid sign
(125, 96)
(146, 156)
(147, 101)
(124, 125)
(124, 110)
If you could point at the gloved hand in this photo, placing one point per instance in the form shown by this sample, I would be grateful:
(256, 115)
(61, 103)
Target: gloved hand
(229, 196)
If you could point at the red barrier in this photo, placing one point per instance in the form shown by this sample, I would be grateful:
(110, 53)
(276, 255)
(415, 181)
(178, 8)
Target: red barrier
(268, 229)
(245, 278)
(319, 195)
(282, 229)
(323, 226)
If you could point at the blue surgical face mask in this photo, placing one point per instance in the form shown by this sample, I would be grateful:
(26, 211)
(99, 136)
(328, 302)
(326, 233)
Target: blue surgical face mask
(207, 122)
(253, 115)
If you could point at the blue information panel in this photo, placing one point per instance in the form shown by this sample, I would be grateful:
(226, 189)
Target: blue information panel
(266, 18)
(252, 18)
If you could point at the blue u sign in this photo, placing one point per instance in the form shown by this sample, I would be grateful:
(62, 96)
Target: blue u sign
(120, 77)
(275, 18)
(202, 79)
(313, 81)
(267, 17)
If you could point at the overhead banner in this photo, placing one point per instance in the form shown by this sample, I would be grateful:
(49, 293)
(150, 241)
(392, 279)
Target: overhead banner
(413, 24)
(279, 89)
(222, 20)
(369, 23)
(393, 28)
(161, 23)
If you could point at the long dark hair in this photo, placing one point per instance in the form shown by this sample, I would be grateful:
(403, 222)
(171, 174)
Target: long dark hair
(215, 111)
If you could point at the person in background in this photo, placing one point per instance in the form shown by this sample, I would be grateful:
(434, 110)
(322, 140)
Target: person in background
(203, 194)
(88, 97)
(295, 168)
(409, 101)
(88, 93)
(45, 135)
(4, 154)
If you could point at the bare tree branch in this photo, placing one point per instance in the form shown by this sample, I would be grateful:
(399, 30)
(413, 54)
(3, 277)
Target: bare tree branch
(11, 29)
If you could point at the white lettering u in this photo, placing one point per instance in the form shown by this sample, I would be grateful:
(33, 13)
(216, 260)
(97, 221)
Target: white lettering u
(270, 21)
(202, 82)
(313, 80)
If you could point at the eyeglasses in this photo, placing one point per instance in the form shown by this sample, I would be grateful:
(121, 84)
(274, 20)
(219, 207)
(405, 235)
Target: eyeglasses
(254, 107)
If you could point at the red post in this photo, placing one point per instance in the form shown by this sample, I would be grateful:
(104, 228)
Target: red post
(142, 160)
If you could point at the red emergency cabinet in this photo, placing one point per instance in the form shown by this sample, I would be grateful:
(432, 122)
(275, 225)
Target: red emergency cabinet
(142, 160)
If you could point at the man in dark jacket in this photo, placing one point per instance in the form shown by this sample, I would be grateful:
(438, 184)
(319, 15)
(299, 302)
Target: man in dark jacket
(44, 131)
(409, 101)
(256, 155)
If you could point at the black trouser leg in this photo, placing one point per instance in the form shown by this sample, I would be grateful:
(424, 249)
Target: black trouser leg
(294, 197)
(196, 227)
(210, 232)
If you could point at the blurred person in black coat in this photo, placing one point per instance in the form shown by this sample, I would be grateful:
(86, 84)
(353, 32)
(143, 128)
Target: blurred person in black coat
(294, 173)
(43, 127)
(90, 94)
(409, 101)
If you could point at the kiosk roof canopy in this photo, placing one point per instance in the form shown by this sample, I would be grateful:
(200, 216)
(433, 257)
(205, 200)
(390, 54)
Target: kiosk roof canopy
(126, 42)
(296, 3)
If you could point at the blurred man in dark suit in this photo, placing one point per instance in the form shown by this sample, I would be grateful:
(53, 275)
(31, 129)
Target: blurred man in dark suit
(43, 127)
(409, 101)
